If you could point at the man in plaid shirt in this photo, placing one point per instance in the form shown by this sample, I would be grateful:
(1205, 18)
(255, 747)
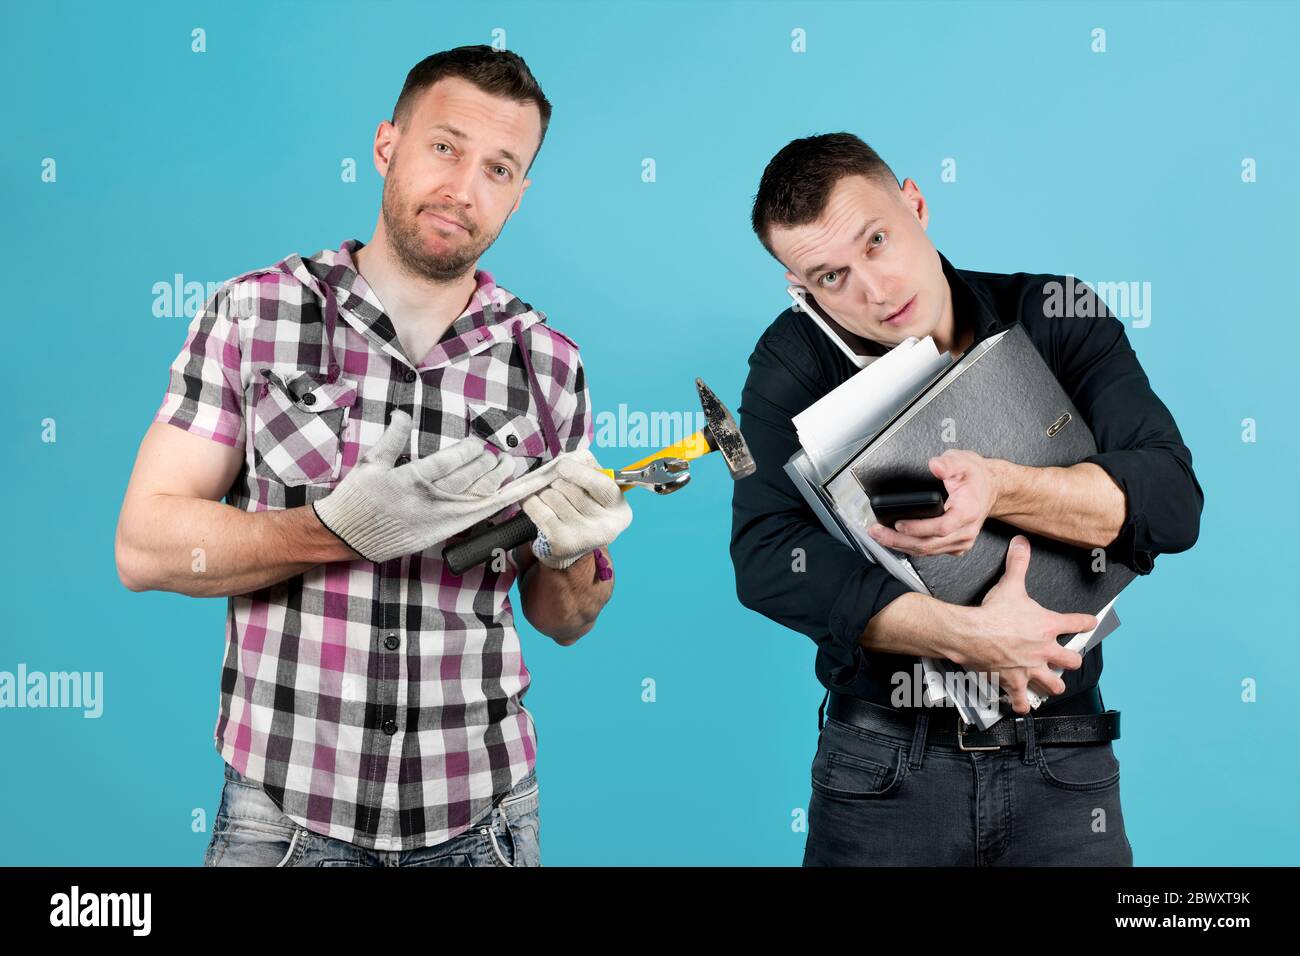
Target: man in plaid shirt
(358, 409)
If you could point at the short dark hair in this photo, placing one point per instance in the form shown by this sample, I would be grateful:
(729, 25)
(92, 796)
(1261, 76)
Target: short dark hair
(498, 72)
(797, 183)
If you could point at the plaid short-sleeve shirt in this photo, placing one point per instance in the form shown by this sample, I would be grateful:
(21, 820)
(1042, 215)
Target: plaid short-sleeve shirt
(376, 703)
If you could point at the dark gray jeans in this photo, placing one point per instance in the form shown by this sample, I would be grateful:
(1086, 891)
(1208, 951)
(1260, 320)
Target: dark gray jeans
(885, 800)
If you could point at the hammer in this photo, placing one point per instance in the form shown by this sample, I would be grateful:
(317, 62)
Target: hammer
(667, 470)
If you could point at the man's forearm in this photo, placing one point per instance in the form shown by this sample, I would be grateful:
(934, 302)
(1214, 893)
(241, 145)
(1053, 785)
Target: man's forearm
(1080, 505)
(208, 549)
(918, 625)
(563, 605)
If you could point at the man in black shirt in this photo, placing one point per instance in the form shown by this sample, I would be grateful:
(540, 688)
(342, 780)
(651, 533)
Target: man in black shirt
(908, 784)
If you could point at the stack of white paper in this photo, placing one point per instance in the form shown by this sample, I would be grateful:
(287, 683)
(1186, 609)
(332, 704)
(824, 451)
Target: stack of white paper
(841, 421)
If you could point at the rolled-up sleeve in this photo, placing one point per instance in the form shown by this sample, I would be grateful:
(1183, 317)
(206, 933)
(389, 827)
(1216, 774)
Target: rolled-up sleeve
(1138, 442)
(788, 567)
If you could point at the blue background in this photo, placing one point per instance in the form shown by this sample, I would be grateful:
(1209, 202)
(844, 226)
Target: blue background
(1117, 166)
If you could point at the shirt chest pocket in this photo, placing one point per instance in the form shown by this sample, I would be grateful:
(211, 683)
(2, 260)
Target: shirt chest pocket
(511, 432)
(298, 422)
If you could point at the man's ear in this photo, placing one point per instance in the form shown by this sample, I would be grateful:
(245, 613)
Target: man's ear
(791, 278)
(915, 202)
(386, 137)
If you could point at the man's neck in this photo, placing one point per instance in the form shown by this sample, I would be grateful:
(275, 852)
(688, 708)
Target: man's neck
(954, 333)
(421, 309)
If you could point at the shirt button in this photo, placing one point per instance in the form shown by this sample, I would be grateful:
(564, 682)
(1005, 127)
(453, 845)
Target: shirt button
(401, 460)
(309, 399)
(391, 642)
(512, 440)
(410, 375)
(390, 727)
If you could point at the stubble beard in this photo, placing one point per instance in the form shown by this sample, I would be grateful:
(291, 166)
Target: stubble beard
(407, 239)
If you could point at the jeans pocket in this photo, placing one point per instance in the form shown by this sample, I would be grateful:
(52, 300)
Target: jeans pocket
(514, 830)
(246, 844)
(525, 839)
(250, 830)
(855, 765)
(1079, 767)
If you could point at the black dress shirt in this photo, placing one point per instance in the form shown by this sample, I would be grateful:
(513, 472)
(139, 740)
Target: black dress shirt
(834, 597)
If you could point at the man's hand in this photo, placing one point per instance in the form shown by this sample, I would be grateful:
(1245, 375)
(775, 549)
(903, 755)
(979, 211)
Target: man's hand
(1014, 636)
(564, 604)
(972, 484)
(582, 509)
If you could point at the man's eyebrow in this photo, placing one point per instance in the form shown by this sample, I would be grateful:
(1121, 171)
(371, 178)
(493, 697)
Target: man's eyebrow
(450, 129)
(461, 135)
(809, 273)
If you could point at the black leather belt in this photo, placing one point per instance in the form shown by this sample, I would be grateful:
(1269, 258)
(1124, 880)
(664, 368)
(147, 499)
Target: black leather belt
(1075, 720)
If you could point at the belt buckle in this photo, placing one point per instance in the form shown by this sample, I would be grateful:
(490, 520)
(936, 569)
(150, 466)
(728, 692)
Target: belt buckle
(961, 738)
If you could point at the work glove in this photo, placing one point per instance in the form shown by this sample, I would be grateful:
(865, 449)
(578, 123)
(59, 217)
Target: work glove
(580, 510)
(383, 512)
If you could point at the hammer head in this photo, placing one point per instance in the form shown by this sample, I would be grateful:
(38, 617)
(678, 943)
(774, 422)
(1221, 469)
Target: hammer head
(724, 434)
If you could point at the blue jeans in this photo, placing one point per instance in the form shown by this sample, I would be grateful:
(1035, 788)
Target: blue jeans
(249, 830)
(885, 800)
